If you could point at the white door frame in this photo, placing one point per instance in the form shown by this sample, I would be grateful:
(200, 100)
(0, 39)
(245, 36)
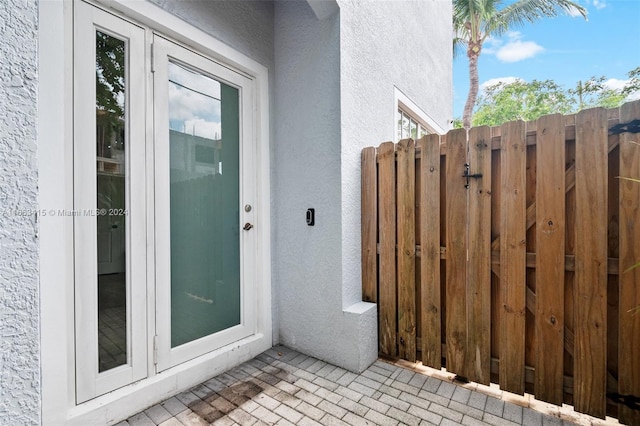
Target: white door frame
(165, 51)
(55, 129)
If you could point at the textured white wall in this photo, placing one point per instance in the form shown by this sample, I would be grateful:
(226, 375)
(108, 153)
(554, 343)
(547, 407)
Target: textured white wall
(247, 26)
(307, 173)
(19, 319)
(406, 44)
(334, 93)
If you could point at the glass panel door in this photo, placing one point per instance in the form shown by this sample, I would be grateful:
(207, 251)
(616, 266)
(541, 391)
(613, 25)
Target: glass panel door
(205, 300)
(204, 192)
(108, 213)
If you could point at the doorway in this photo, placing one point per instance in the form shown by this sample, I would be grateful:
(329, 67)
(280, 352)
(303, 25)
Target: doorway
(164, 203)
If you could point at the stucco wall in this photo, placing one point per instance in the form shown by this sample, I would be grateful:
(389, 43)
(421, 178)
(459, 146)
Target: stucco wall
(247, 26)
(19, 356)
(307, 174)
(406, 44)
(335, 80)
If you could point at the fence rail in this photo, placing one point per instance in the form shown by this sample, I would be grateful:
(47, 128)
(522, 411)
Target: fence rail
(504, 254)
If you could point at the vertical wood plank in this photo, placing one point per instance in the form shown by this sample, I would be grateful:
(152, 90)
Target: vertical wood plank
(512, 257)
(429, 201)
(456, 263)
(406, 249)
(629, 245)
(369, 221)
(387, 292)
(479, 268)
(550, 239)
(590, 293)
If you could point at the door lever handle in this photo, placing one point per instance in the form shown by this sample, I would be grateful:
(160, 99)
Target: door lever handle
(247, 226)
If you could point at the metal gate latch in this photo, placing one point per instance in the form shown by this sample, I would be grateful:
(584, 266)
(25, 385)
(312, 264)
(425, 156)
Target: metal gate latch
(467, 175)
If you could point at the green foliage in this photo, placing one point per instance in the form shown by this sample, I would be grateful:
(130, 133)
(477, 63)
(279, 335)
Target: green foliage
(634, 82)
(520, 101)
(593, 93)
(109, 73)
(110, 87)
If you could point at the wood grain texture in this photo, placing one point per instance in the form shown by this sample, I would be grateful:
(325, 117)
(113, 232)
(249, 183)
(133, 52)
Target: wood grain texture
(456, 263)
(559, 325)
(429, 204)
(369, 222)
(590, 287)
(479, 264)
(387, 295)
(406, 244)
(629, 284)
(513, 257)
(550, 268)
(570, 179)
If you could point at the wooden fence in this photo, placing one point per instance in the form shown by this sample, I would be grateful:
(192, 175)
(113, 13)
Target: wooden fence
(503, 255)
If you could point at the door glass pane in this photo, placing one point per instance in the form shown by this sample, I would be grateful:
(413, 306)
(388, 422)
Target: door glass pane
(204, 206)
(111, 204)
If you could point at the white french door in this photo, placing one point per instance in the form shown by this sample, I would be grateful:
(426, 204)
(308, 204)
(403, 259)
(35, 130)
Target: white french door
(203, 195)
(109, 209)
(195, 267)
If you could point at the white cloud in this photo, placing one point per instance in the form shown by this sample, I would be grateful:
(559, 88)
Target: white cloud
(574, 12)
(634, 96)
(491, 45)
(494, 81)
(615, 84)
(598, 4)
(517, 50)
(203, 128)
(514, 50)
(194, 113)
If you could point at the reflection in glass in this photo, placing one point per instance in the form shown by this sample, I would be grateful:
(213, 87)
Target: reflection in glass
(205, 247)
(111, 193)
(405, 126)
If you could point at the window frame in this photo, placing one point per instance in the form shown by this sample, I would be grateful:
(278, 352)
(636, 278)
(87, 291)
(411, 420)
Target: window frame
(404, 104)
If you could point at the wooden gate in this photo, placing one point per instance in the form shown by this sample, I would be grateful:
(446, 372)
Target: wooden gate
(504, 255)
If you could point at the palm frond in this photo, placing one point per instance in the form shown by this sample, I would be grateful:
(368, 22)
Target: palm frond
(637, 265)
(459, 44)
(527, 11)
(628, 178)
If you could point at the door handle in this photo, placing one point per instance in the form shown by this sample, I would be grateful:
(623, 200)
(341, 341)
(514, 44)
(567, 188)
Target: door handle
(247, 226)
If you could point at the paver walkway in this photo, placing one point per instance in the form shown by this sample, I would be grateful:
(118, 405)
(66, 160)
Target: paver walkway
(284, 387)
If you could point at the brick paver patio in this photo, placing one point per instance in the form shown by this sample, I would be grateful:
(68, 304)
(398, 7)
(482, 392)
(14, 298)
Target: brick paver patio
(285, 387)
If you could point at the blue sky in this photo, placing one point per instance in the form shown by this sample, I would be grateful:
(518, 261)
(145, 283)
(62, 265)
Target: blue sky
(564, 49)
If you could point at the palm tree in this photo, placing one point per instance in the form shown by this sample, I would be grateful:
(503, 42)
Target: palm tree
(475, 20)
